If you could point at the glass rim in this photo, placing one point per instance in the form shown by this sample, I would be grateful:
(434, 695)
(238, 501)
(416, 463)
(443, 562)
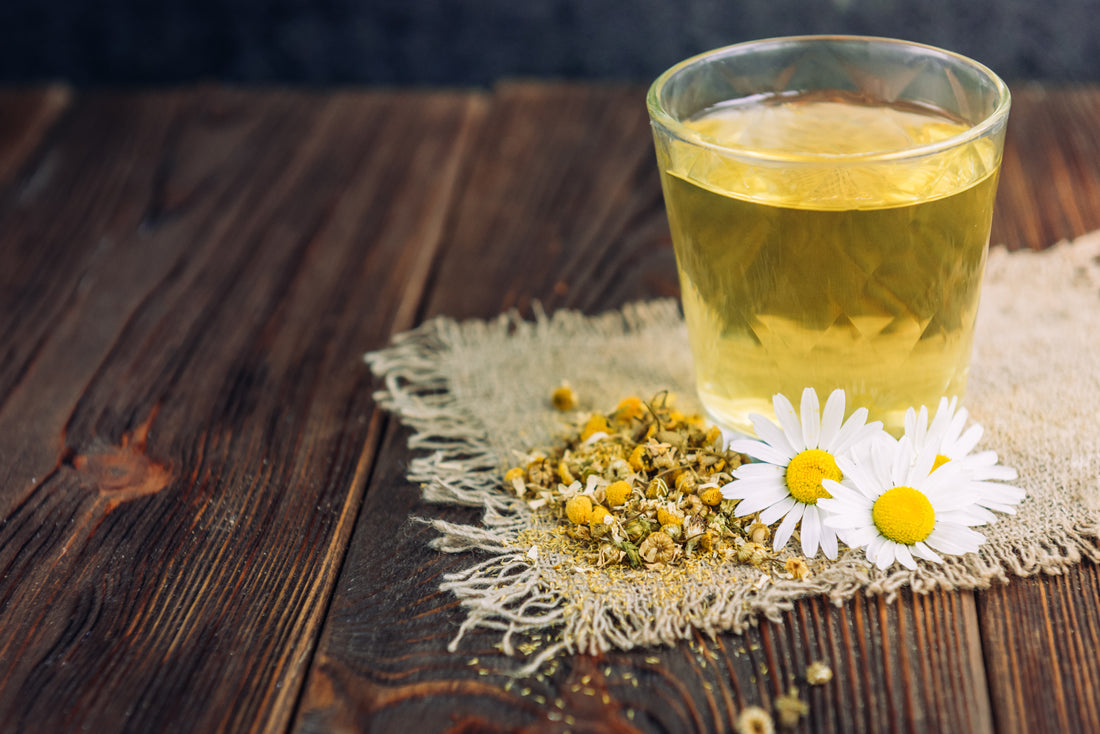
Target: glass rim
(660, 116)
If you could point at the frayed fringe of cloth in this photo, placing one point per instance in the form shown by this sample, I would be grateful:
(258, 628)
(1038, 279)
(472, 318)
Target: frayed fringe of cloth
(519, 593)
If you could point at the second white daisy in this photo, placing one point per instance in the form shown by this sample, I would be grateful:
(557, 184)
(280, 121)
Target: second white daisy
(898, 509)
(794, 459)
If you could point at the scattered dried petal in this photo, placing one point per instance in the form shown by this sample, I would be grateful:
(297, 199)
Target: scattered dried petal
(564, 398)
(790, 708)
(755, 720)
(818, 673)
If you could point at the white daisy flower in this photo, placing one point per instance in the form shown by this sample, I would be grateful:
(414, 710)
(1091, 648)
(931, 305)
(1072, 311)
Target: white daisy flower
(899, 509)
(793, 461)
(953, 444)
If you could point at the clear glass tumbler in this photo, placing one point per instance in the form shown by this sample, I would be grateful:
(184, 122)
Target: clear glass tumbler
(830, 200)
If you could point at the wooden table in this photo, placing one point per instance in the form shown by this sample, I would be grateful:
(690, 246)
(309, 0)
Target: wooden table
(205, 524)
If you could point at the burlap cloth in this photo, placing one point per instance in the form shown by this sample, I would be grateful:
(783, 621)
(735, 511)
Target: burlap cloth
(476, 395)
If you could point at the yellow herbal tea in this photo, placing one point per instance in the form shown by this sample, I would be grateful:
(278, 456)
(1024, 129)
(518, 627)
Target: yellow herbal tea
(800, 271)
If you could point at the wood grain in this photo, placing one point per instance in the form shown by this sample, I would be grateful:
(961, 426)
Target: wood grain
(593, 220)
(26, 118)
(185, 422)
(1050, 179)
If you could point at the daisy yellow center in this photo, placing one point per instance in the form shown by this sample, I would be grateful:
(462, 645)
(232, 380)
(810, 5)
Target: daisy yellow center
(940, 461)
(903, 515)
(805, 472)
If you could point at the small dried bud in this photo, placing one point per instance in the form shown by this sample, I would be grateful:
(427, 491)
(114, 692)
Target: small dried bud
(755, 720)
(657, 548)
(669, 515)
(758, 533)
(692, 505)
(657, 489)
(694, 526)
(685, 482)
(797, 568)
(790, 708)
(564, 474)
(672, 438)
(711, 496)
(818, 673)
(514, 473)
(714, 437)
(596, 424)
(564, 398)
(617, 493)
(578, 509)
(597, 521)
(638, 460)
(619, 469)
(637, 529)
(630, 408)
(540, 472)
(676, 532)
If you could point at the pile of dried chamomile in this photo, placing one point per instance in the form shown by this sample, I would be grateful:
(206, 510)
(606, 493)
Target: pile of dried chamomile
(642, 485)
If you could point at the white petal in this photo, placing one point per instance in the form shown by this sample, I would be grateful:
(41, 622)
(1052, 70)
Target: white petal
(861, 536)
(778, 510)
(847, 495)
(758, 502)
(953, 430)
(850, 519)
(759, 450)
(905, 558)
(954, 539)
(811, 418)
(786, 528)
(811, 531)
(855, 430)
(784, 411)
(749, 486)
(760, 470)
(911, 424)
(771, 434)
(967, 441)
(874, 546)
(886, 554)
(998, 472)
(828, 543)
(920, 550)
(831, 418)
(860, 478)
(899, 472)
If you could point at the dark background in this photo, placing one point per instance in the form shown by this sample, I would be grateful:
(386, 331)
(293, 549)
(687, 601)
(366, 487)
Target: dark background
(475, 42)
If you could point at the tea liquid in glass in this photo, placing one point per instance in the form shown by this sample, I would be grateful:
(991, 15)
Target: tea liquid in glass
(797, 271)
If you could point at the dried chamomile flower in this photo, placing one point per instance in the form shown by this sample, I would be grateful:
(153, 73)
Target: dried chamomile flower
(667, 515)
(818, 673)
(790, 708)
(711, 496)
(657, 548)
(618, 493)
(629, 409)
(564, 398)
(758, 532)
(598, 519)
(755, 720)
(797, 568)
(579, 509)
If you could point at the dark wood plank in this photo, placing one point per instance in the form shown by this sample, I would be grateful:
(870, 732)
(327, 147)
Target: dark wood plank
(26, 117)
(189, 280)
(1041, 635)
(589, 232)
(1050, 180)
